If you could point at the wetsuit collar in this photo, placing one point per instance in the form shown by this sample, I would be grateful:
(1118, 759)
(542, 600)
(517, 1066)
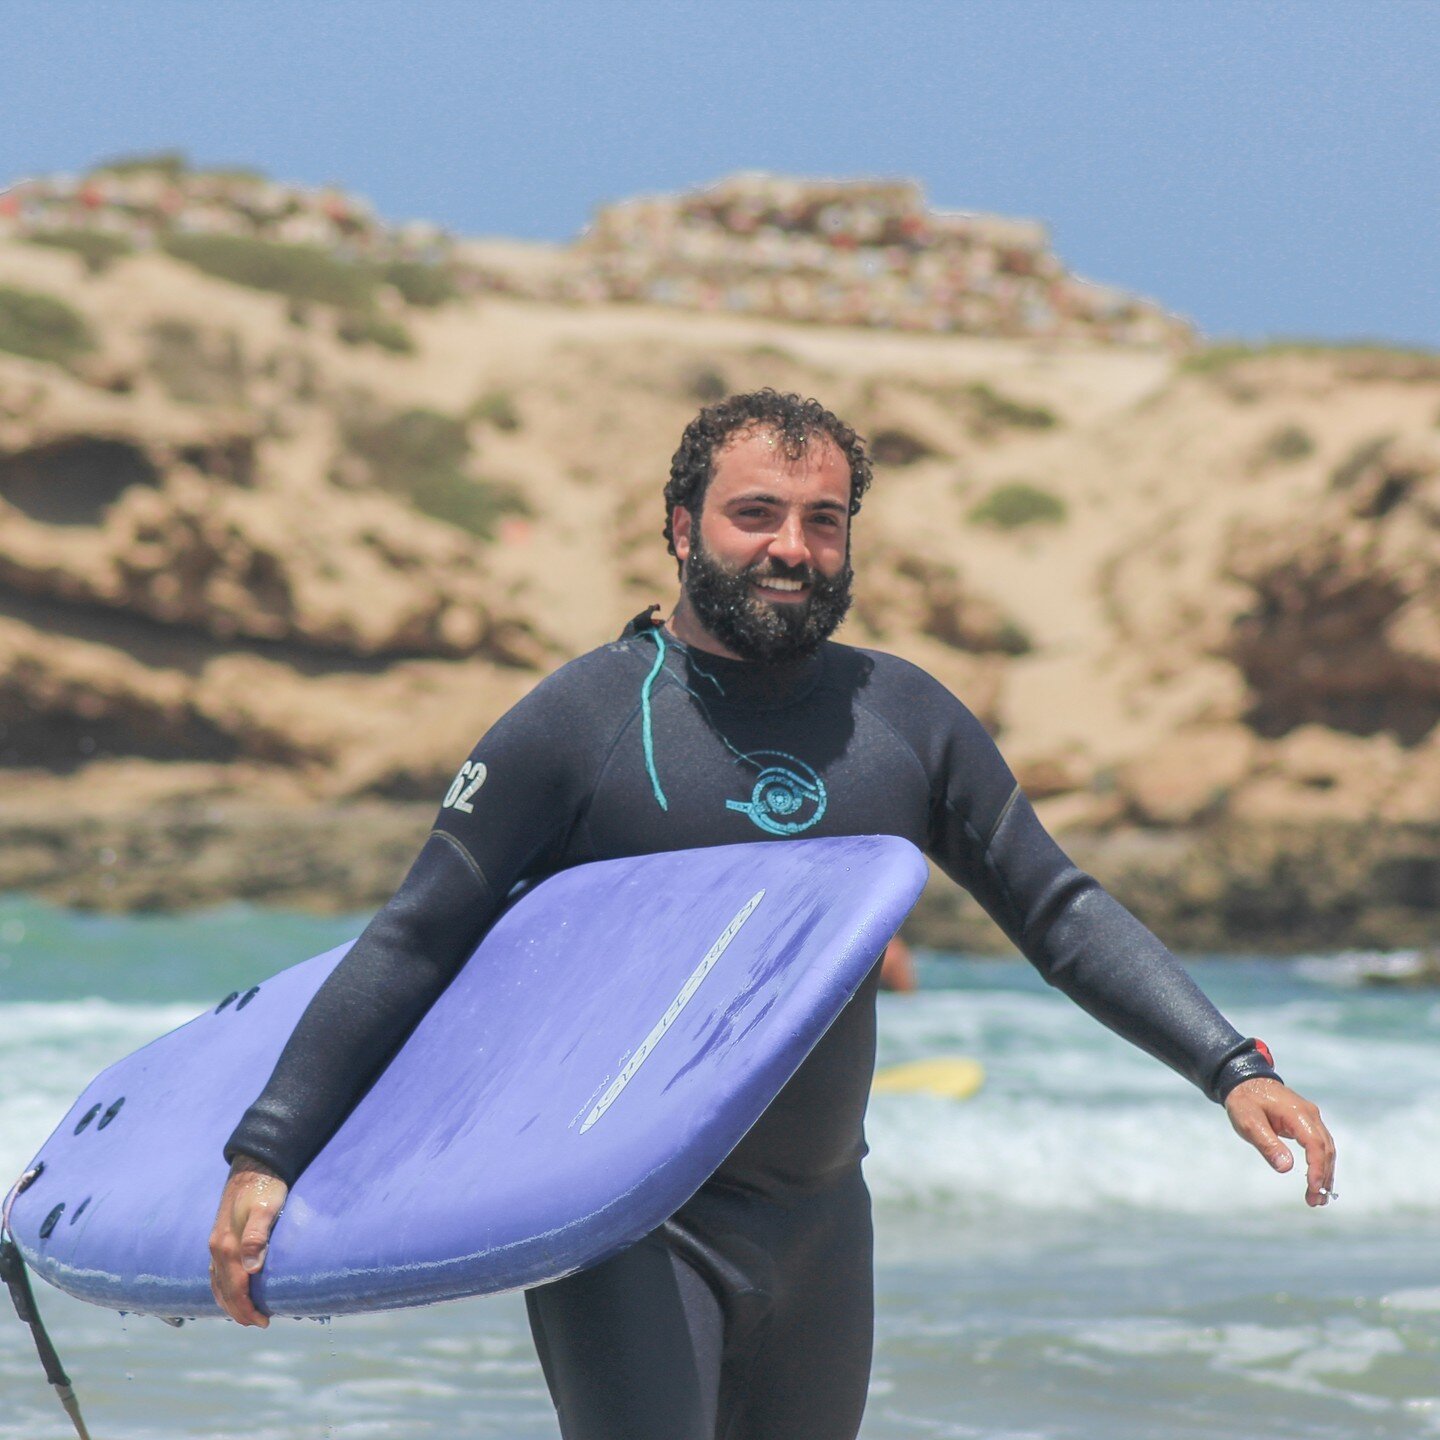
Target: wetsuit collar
(738, 682)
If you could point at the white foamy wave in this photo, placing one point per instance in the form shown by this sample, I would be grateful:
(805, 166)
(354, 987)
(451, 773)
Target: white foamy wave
(51, 1050)
(1356, 968)
(994, 1155)
(1312, 1359)
(1072, 1119)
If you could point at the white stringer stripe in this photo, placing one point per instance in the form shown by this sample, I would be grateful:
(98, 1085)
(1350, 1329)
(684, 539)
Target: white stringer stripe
(687, 990)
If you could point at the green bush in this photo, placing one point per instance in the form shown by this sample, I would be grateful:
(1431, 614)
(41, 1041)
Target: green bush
(96, 248)
(41, 327)
(1364, 359)
(194, 368)
(469, 504)
(707, 384)
(427, 286)
(993, 410)
(301, 272)
(411, 440)
(421, 455)
(495, 407)
(173, 165)
(170, 163)
(1217, 357)
(1359, 460)
(365, 327)
(1018, 503)
(1287, 444)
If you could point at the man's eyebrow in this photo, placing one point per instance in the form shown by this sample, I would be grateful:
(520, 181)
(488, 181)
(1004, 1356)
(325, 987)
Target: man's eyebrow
(764, 497)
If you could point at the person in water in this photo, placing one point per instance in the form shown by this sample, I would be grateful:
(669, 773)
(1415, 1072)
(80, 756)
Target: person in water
(749, 1313)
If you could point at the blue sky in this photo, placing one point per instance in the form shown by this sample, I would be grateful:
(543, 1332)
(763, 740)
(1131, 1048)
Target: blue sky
(1265, 168)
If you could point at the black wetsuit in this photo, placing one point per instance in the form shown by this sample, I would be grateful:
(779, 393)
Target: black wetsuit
(749, 1313)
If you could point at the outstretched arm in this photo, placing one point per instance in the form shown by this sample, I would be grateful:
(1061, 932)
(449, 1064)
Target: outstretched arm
(1083, 941)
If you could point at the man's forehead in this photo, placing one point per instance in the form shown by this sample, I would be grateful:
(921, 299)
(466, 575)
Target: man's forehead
(758, 449)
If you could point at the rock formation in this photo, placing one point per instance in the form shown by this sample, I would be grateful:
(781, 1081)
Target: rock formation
(266, 572)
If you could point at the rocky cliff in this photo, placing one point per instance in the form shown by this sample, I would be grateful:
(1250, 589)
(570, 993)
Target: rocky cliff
(266, 571)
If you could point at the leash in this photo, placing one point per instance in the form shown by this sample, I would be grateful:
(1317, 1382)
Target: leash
(17, 1281)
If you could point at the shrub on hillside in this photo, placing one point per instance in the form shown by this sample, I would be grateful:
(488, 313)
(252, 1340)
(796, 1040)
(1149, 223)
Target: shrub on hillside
(41, 327)
(195, 368)
(1287, 445)
(996, 411)
(1358, 461)
(427, 286)
(366, 327)
(170, 163)
(301, 272)
(894, 446)
(1018, 503)
(497, 408)
(96, 248)
(421, 455)
(706, 384)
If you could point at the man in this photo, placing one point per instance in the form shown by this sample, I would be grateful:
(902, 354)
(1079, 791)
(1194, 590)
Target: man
(749, 1313)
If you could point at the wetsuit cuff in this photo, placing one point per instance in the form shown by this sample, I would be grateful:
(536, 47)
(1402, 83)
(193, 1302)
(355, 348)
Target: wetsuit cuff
(257, 1136)
(1250, 1060)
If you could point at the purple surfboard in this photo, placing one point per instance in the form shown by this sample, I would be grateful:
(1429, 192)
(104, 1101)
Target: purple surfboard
(607, 1045)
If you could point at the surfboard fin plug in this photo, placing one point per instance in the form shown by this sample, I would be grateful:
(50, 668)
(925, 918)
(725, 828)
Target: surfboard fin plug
(17, 1281)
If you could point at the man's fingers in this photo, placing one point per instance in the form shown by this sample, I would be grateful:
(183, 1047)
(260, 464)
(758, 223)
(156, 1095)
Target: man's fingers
(240, 1241)
(1251, 1124)
(1268, 1111)
(255, 1239)
(1319, 1157)
(232, 1290)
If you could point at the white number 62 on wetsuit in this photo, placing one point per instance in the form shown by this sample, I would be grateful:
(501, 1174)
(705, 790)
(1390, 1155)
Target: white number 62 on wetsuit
(463, 787)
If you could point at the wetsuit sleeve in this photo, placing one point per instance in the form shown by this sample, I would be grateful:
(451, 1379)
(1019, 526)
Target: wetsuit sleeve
(511, 804)
(986, 835)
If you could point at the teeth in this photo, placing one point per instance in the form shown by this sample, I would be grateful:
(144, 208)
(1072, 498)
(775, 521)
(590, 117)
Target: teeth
(777, 584)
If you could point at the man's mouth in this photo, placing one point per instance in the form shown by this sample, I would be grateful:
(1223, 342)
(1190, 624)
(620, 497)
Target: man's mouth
(776, 586)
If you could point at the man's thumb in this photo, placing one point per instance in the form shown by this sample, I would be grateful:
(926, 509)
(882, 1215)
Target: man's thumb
(1279, 1156)
(255, 1243)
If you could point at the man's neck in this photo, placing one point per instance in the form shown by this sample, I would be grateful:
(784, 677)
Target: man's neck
(684, 625)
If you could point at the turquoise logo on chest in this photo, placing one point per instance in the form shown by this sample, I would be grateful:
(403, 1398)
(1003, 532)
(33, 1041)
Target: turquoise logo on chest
(788, 798)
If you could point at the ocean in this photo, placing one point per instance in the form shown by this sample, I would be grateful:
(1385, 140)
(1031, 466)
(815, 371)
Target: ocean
(1084, 1251)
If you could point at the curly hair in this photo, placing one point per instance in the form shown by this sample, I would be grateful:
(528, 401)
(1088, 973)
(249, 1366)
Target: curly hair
(791, 418)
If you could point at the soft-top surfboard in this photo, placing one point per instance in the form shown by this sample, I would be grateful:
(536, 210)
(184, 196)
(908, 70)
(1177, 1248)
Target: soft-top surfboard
(610, 1041)
(950, 1077)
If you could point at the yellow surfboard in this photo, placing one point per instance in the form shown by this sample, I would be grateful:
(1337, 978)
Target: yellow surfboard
(953, 1077)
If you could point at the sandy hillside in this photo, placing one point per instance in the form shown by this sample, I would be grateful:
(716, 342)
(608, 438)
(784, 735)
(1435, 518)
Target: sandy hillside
(244, 589)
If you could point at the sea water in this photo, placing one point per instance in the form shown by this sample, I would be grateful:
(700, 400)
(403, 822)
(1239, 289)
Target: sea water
(1082, 1250)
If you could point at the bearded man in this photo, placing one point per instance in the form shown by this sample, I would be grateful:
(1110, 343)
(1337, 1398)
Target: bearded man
(749, 1314)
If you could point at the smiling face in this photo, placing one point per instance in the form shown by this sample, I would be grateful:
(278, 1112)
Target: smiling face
(765, 567)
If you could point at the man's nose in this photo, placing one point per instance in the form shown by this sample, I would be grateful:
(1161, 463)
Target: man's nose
(788, 544)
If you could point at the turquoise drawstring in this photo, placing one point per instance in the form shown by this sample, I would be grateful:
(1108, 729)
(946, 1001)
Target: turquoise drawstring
(647, 724)
(647, 728)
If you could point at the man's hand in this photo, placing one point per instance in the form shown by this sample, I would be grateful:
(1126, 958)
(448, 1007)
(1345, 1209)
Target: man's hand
(249, 1207)
(1263, 1111)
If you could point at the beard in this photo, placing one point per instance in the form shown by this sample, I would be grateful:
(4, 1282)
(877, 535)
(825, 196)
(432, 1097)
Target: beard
(758, 629)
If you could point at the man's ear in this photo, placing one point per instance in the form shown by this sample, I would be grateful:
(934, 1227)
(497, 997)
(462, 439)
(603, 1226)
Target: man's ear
(680, 523)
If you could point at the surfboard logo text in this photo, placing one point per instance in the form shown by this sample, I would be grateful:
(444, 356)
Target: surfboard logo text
(687, 991)
(468, 780)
